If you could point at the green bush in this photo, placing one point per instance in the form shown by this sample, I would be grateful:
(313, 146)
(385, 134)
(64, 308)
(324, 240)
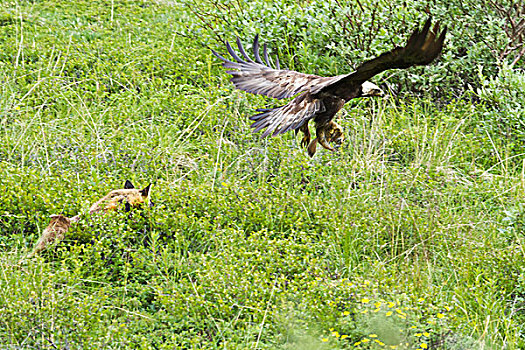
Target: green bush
(503, 115)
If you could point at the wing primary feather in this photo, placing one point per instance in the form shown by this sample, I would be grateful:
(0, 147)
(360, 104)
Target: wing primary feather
(436, 29)
(241, 49)
(233, 54)
(442, 36)
(413, 37)
(426, 27)
(423, 34)
(265, 54)
(256, 49)
(222, 58)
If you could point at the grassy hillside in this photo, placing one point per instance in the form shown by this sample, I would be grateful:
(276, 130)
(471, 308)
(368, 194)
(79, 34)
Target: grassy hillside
(409, 237)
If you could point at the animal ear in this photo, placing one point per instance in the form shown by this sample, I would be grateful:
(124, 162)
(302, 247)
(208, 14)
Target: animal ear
(145, 191)
(128, 185)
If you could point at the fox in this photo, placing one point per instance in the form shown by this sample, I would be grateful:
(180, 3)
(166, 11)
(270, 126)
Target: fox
(56, 230)
(129, 196)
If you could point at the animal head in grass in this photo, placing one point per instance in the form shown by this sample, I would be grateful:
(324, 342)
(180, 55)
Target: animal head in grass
(126, 198)
(320, 98)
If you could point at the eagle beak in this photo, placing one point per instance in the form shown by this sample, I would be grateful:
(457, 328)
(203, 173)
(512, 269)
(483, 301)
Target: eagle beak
(371, 90)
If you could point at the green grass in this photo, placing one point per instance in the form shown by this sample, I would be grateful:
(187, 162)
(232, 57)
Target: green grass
(250, 244)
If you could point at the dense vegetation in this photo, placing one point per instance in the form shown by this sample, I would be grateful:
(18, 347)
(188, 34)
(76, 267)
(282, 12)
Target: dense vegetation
(411, 236)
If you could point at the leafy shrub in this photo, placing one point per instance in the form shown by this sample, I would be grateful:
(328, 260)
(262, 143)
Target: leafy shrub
(503, 115)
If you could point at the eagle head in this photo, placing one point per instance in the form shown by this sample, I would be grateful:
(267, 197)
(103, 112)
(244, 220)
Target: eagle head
(368, 90)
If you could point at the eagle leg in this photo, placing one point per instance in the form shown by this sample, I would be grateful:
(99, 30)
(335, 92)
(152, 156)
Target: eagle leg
(336, 133)
(321, 137)
(312, 147)
(306, 138)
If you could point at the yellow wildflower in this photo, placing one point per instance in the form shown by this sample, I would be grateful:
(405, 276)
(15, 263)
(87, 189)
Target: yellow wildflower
(324, 340)
(418, 334)
(346, 313)
(344, 336)
(365, 300)
(391, 304)
(426, 334)
(389, 313)
(424, 346)
(373, 335)
(377, 304)
(365, 340)
(357, 344)
(440, 315)
(379, 342)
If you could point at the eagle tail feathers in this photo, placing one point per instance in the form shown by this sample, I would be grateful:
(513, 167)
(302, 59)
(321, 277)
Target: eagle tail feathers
(290, 116)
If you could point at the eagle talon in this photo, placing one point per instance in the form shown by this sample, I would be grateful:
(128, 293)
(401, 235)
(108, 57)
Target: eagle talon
(305, 142)
(321, 137)
(336, 134)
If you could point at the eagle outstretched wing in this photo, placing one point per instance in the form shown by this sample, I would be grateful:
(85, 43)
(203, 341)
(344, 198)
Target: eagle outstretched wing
(422, 47)
(257, 77)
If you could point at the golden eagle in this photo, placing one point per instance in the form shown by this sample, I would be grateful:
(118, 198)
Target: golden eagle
(320, 98)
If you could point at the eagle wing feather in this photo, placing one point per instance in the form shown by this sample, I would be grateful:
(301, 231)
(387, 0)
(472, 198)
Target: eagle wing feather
(421, 48)
(258, 77)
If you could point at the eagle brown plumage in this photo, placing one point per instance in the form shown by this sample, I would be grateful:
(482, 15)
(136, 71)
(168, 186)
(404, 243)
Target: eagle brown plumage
(320, 98)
